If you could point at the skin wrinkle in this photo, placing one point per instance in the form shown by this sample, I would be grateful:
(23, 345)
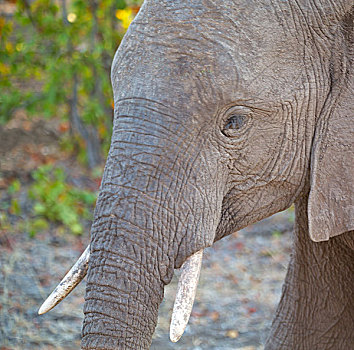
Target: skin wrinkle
(282, 18)
(308, 26)
(157, 166)
(122, 228)
(120, 306)
(121, 296)
(187, 150)
(291, 165)
(312, 29)
(119, 291)
(143, 133)
(191, 165)
(320, 22)
(161, 206)
(144, 99)
(274, 160)
(255, 80)
(130, 329)
(235, 213)
(155, 124)
(301, 155)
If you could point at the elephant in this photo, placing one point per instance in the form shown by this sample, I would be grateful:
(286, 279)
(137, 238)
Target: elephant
(226, 112)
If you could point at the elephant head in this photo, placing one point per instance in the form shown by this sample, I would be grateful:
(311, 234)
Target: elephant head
(226, 112)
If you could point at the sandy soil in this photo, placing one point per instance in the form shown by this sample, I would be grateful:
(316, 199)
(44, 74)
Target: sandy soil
(238, 291)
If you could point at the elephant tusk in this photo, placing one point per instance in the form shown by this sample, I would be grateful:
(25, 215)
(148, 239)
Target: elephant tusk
(186, 289)
(68, 283)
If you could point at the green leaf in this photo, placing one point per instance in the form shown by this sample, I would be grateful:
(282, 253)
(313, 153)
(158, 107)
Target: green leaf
(39, 209)
(15, 208)
(77, 229)
(14, 187)
(40, 224)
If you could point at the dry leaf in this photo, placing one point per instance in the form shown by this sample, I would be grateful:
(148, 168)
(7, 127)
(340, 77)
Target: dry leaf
(232, 333)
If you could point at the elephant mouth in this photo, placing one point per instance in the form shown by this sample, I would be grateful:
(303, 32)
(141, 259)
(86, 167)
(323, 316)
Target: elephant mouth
(186, 290)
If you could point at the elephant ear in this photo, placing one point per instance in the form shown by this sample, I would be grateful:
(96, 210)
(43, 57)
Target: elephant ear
(331, 198)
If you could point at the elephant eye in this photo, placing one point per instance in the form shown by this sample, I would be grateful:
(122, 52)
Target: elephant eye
(233, 124)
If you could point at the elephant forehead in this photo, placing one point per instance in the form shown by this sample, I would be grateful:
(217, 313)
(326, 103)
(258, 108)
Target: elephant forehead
(173, 71)
(207, 58)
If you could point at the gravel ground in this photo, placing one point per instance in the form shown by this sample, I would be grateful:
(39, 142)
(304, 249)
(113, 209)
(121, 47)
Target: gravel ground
(239, 288)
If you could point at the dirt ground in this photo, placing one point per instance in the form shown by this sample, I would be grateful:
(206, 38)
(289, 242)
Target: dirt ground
(239, 288)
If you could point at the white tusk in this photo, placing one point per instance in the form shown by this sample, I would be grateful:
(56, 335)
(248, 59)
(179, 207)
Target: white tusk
(186, 289)
(68, 283)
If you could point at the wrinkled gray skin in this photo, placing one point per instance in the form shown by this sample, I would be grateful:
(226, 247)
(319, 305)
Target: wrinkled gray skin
(179, 176)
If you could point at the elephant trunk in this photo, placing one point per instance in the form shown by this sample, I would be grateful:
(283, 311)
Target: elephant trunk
(123, 293)
(151, 215)
(128, 265)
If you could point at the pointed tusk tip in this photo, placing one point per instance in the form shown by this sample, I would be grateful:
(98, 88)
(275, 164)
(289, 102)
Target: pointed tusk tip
(186, 289)
(42, 310)
(46, 306)
(68, 283)
(175, 337)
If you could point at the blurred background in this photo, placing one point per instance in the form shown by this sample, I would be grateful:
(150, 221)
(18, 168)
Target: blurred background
(56, 111)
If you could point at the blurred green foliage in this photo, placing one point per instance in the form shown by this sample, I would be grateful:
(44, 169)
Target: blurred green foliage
(276, 234)
(13, 189)
(55, 59)
(57, 201)
(53, 199)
